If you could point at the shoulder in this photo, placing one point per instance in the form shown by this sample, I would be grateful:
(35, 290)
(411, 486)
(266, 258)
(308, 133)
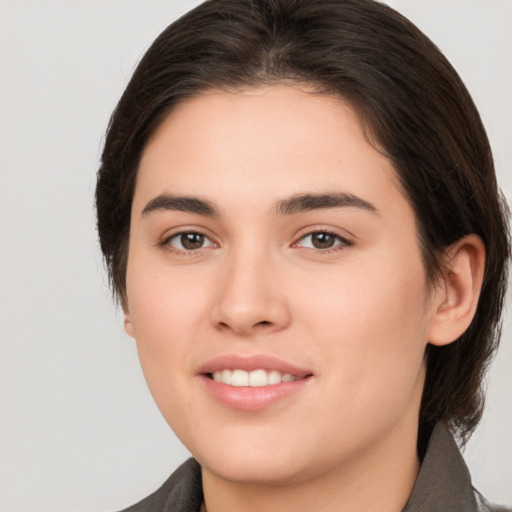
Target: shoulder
(181, 492)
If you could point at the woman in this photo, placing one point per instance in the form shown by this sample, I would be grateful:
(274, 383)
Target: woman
(298, 209)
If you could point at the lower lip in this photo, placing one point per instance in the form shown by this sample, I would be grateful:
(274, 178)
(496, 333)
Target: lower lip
(249, 398)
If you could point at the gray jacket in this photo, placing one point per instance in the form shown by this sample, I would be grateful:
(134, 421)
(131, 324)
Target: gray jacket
(443, 484)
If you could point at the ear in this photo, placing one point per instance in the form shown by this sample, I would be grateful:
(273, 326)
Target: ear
(457, 295)
(128, 324)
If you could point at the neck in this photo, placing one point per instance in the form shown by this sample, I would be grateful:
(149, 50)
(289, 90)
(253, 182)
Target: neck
(382, 477)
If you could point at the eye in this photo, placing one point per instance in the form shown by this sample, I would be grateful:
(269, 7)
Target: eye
(323, 240)
(188, 241)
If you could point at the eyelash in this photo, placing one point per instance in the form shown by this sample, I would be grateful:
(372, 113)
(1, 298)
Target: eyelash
(342, 244)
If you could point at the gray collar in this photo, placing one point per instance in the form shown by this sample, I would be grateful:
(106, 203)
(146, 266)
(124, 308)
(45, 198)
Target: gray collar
(443, 482)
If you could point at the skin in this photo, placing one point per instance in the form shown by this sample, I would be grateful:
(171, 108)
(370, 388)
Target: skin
(358, 316)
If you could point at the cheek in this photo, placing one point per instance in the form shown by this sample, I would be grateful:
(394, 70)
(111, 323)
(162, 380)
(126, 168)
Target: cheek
(163, 301)
(371, 322)
(166, 310)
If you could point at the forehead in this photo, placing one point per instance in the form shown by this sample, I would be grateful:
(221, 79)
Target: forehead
(262, 143)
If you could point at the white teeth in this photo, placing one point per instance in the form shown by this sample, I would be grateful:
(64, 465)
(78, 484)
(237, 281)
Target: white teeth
(256, 378)
(274, 377)
(226, 376)
(239, 378)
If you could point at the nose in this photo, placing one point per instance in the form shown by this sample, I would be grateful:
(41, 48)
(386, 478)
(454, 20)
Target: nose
(251, 298)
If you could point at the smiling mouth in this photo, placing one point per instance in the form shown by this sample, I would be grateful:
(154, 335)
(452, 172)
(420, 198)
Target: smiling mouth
(254, 378)
(253, 383)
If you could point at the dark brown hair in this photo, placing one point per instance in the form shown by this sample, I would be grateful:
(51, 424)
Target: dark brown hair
(412, 104)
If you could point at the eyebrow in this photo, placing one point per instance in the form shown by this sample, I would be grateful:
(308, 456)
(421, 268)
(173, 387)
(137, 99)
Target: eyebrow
(306, 202)
(295, 204)
(166, 202)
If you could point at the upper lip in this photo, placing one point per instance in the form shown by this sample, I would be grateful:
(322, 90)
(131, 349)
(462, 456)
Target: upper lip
(250, 363)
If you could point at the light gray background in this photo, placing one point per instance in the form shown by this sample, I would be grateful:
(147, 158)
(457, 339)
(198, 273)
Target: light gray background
(78, 428)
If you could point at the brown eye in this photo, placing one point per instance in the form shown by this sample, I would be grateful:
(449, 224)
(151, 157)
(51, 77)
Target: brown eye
(189, 241)
(323, 240)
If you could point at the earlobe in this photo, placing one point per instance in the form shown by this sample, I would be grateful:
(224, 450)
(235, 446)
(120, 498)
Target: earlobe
(128, 325)
(457, 296)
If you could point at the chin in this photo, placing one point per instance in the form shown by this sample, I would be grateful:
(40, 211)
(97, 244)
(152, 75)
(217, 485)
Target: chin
(262, 462)
(255, 470)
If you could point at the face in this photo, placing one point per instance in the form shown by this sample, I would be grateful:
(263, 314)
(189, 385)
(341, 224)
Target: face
(275, 287)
